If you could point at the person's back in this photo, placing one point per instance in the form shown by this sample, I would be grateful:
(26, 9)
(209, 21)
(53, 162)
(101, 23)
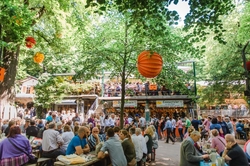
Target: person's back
(195, 123)
(32, 130)
(9, 154)
(115, 150)
(51, 141)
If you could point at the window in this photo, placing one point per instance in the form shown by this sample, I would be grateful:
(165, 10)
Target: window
(28, 90)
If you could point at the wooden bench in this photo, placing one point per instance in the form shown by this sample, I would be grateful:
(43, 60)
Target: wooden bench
(42, 161)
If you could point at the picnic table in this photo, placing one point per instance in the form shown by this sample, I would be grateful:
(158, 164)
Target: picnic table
(93, 160)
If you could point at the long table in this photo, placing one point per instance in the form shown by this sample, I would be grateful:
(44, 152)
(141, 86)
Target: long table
(94, 160)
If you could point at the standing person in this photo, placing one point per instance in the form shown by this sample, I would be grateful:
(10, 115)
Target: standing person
(142, 123)
(233, 153)
(128, 147)
(188, 153)
(51, 142)
(180, 128)
(217, 126)
(76, 118)
(229, 125)
(97, 120)
(200, 117)
(49, 117)
(224, 126)
(102, 116)
(195, 123)
(149, 141)
(162, 125)
(25, 125)
(142, 141)
(137, 144)
(112, 120)
(79, 144)
(207, 123)
(187, 124)
(106, 121)
(91, 119)
(173, 121)
(114, 148)
(168, 127)
(155, 122)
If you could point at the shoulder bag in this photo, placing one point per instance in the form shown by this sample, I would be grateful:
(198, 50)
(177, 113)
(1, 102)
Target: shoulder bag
(32, 160)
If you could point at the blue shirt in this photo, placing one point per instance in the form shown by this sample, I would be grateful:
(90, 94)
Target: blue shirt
(76, 141)
(49, 118)
(168, 125)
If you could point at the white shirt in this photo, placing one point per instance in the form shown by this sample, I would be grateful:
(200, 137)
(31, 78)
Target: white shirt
(51, 138)
(106, 122)
(129, 120)
(142, 122)
(138, 147)
(67, 137)
(143, 144)
(111, 121)
(102, 121)
(173, 123)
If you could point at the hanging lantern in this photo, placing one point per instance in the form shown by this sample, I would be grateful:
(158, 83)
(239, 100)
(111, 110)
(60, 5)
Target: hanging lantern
(30, 42)
(149, 64)
(38, 57)
(2, 72)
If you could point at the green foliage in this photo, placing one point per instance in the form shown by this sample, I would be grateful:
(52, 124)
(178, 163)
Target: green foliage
(16, 20)
(51, 90)
(244, 26)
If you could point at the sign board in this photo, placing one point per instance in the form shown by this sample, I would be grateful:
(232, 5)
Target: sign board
(169, 103)
(128, 103)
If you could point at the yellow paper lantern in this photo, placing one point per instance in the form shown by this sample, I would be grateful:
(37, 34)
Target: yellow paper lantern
(38, 57)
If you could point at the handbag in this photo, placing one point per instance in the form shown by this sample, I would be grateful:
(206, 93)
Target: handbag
(32, 159)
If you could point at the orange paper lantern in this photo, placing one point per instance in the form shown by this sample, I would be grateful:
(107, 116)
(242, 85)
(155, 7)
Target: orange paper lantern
(2, 72)
(38, 57)
(149, 64)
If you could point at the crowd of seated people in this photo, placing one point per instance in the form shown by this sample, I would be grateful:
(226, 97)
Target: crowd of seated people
(63, 134)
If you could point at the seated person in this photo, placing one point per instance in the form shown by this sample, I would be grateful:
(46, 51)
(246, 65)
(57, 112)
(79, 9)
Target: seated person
(114, 148)
(32, 130)
(240, 129)
(79, 144)
(233, 153)
(51, 142)
(9, 154)
(95, 138)
(217, 142)
(67, 136)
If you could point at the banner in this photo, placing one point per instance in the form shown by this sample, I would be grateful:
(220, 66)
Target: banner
(128, 103)
(169, 103)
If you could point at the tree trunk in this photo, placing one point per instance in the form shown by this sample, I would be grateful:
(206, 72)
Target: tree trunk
(9, 61)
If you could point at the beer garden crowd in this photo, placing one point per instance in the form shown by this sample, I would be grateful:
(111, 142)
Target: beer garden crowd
(66, 133)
